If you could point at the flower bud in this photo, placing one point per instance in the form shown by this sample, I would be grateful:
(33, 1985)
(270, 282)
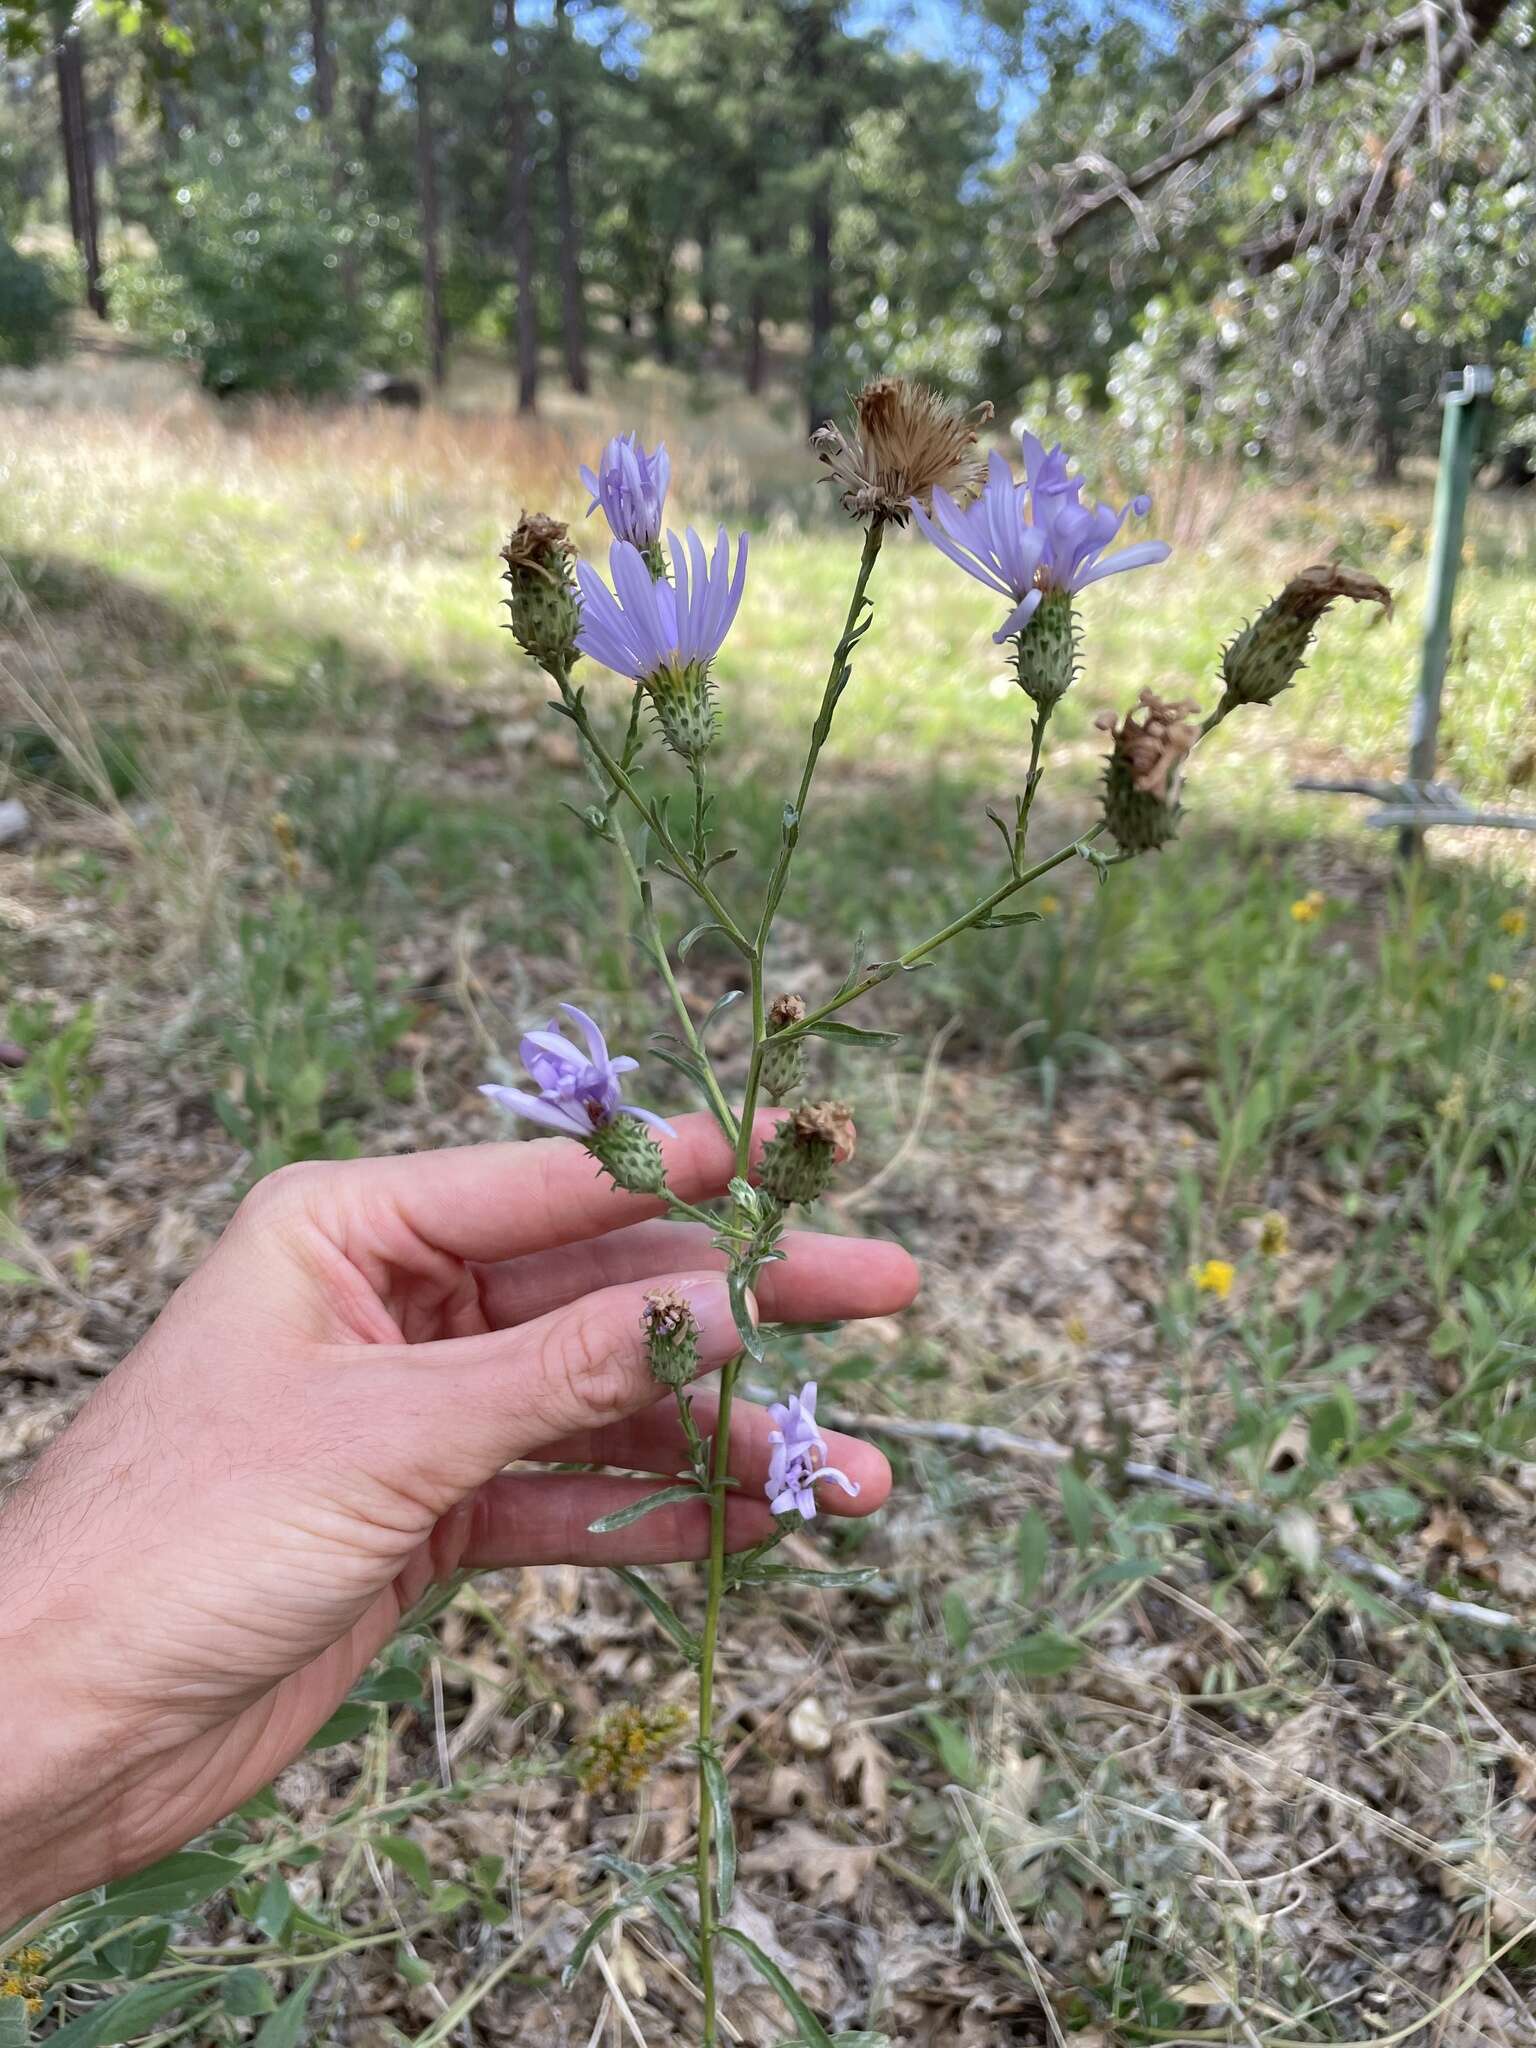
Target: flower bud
(629, 1155)
(1143, 772)
(544, 606)
(1264, 658)
(783, 1064)
(1045, 650)
(671, 1337)
(683, 698)
(801, 1154)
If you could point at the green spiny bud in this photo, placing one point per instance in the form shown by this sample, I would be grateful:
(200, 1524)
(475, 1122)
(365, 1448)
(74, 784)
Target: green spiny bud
(1045, 651)
(684, 701)
(671, 1337)
(801, 1154)
(1143, 772)
(630, 1156)
(783, 1062)
(1264, 658)
(543, 604)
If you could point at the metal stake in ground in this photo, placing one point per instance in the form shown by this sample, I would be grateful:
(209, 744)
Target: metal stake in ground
(1465, 397)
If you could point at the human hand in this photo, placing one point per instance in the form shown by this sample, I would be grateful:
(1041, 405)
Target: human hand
(315, 1429)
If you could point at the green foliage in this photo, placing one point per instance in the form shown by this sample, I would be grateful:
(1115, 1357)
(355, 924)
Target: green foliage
(247, 284)
(32, 310)
(307, 1027)
(351, 814)
(53, 1092)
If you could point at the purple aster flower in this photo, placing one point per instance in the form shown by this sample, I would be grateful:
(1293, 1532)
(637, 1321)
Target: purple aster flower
(799, 1457)
(651, 627)
(578, 1092)
(631, 487)
(1025, 540)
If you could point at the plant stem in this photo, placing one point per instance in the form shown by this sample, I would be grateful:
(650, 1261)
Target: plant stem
(837, 681)
(952, 930)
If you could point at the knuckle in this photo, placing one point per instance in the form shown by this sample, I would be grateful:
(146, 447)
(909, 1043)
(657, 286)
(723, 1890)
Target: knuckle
(284, 1189)
(587, 1369)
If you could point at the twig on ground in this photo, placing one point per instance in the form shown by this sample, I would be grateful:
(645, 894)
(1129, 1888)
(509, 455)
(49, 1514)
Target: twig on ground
(1003, 1443)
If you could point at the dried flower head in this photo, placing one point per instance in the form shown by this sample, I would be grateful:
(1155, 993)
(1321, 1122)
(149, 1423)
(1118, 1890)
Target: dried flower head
(906, 441)
(624, 1745)
(801, 1154)
(671, 1336)
(1264, 658)
(783, 1061)
(1145, 767)
(539, 574)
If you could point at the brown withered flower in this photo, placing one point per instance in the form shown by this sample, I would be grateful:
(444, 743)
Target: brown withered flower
(905, 439)
(1142, 775)
(538, 546)
(1264, 658)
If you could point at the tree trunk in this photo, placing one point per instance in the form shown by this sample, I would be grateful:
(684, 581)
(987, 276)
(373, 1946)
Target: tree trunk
(663, 333)
(324, 60)
(573, 309)
(520, 214)
(431, 270)
(706, 240)
(80, 166)
(756, 314)
(820, 401)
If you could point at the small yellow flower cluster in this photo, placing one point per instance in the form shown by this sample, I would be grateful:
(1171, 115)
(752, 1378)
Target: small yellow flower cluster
(287, 846)
(1214, 1277)
(1274, 1235)
(625, 1745)
(1498, 983)
(21, 1976)
(1309, 908)
(1047, 905)
(1514, 924)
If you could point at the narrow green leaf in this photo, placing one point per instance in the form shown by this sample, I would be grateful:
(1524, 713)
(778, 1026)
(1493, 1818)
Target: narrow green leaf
(14, 1276)
(1034, 1545)
(1078, 1505)
(954, 1748)
(408, 1856)
(621, 1518)
(173, 1885)
(1000, 919)
(663, 1907)
(662, 1610)
(851, 1034)
(274, 1909)
(285, 2028)
(957, 1618)
(1041, 1656)
(759, 1573)
(349, 1721)
(718, 1009)
(689, 940)
(394, 1686)
(812, 2031)
(642, 1893)
(718, 1788)
(134, 2012)
(246, 1994)
(746, 1329)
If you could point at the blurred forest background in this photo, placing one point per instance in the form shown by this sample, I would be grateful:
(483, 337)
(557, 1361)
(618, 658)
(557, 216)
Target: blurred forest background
(1233, 227)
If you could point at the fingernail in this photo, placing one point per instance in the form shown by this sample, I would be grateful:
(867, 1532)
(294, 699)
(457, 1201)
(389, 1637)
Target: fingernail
(709, 1298)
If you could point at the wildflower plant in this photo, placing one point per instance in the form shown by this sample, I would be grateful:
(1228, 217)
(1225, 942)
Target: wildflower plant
(658, 621)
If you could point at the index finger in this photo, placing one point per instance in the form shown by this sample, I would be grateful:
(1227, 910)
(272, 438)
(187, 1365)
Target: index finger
(500, 1201)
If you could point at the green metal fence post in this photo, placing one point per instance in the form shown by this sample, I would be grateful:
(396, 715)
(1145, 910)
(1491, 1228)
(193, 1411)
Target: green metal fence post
(1465, 400)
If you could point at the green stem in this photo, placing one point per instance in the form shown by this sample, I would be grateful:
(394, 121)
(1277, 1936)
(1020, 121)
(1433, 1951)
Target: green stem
(837, 681)
(1031, 782)
(624, 785)
(952, 930)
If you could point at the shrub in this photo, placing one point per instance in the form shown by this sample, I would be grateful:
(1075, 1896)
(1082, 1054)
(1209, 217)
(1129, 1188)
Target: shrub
(247, 283)
(32, 312)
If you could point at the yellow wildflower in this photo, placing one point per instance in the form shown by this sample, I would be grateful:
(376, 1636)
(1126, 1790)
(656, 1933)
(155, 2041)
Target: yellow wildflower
(1048, 905)
(1214, 1277)
(1514, 924)
(1498, 983)
(1274, 1235)
(1307, 909)
(623, 1746)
